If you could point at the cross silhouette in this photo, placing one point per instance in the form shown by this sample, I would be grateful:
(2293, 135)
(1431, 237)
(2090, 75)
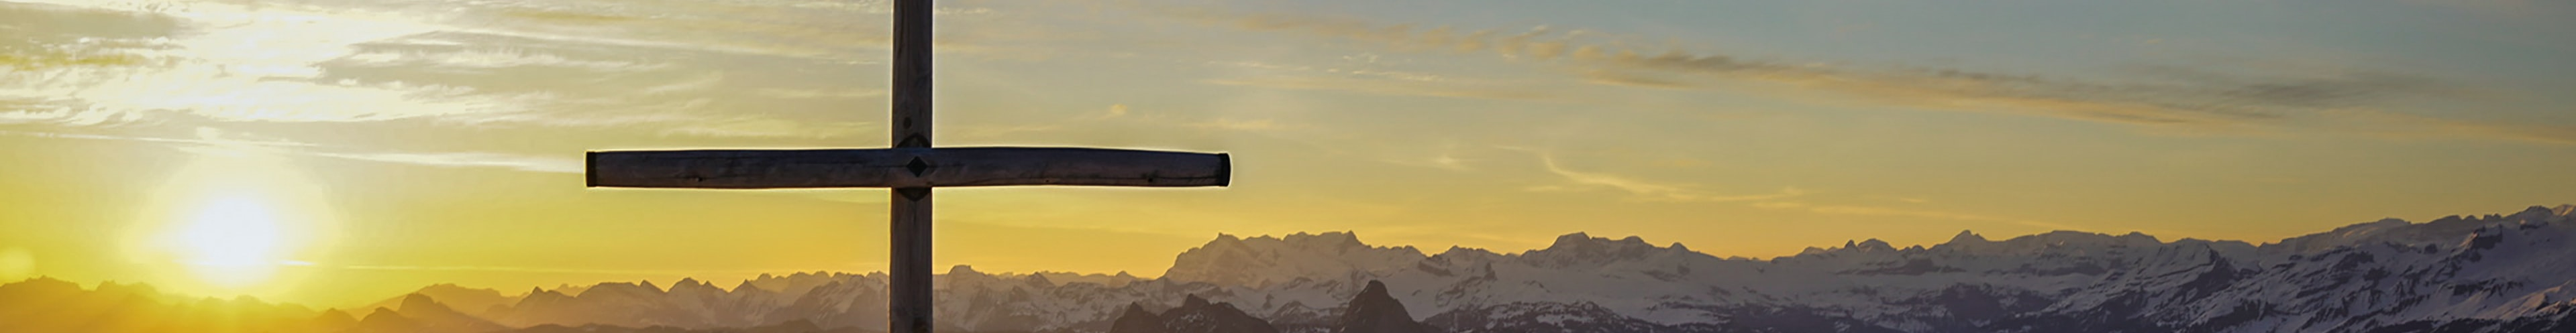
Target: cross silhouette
(911, 168)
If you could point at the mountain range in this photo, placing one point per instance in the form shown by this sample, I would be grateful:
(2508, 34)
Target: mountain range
(2486, 273)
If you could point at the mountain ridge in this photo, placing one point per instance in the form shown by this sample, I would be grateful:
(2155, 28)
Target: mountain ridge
(2492, 272)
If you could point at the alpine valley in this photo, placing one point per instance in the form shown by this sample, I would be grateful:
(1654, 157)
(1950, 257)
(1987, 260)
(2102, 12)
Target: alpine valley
(2511, 272)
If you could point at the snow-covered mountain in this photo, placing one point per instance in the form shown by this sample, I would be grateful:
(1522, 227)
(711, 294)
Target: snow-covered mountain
(2492, 273)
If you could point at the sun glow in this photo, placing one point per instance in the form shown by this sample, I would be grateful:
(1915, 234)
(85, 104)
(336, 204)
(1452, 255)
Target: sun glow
(234, 221)
(233, 241)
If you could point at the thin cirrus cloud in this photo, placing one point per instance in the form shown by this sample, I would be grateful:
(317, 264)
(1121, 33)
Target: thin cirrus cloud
(471, 159)
(1239, 124)
(1387, 87)
(116, 73)
(1902, 212)
(218, 68)
(2167, 97)
(2401, 125)
(1666, 191)
(1370, 81)
(1649, 190)
(220, 142)
(108, 65)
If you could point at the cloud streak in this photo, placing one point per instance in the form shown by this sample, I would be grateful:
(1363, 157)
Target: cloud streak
(1662, 191)
(1396, 87)
(1902, 212)
(2171, 97)
(1647, 189)
(549, 164)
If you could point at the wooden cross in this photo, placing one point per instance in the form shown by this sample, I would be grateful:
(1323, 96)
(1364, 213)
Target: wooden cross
(911, 168)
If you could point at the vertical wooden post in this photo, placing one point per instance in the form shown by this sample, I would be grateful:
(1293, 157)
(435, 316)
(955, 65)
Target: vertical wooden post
(911, 74)
(909, 290)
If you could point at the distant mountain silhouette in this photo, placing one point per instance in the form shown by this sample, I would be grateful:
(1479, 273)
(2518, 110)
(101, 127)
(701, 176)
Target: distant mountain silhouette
(47, 305)
(1195, 315)
(795, 326)
(1369, 311)
(472, 301)
(2502, 273)
(420, 313)
(1373, 311)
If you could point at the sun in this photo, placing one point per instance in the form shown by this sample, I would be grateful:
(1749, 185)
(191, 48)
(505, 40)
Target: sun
(233, 223)
(232, 241)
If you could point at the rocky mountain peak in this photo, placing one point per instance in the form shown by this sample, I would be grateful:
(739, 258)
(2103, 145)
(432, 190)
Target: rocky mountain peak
(42, 286)
(421, 314)
(2541, 213)
(419, 303)
(1585, 242)
(1872, 244)
(1573, 239)
(1333, 240)
(1373, 310)
(1583, 250)
(333, 319)
(385, 320)
(1264, 260)
(1195, 315)
(695, 288)
(1967, 237)
(1136, 320)
(963, 271)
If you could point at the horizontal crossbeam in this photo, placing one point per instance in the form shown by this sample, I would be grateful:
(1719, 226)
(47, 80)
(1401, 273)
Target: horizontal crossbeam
(906, 168)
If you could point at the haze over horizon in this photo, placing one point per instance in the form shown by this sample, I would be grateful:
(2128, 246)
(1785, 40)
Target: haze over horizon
(330, 151)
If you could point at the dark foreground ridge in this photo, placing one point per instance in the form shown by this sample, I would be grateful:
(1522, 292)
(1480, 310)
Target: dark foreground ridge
(1370, 311)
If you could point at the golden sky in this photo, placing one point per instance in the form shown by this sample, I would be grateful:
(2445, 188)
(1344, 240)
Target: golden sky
(341, 151)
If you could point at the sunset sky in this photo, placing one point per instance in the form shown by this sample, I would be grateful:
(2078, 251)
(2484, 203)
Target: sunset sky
(341, 151)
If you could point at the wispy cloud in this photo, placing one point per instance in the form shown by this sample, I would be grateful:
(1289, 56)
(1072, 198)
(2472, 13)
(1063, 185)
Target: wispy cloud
(1666, 191)
(232, 68)
(1443, 161)
(1646, 189)
(477, 58)
(1902, 212)
(553, 164)
(767, 127)
(1353, 72)
(2205, 99)
(1239, 124)
(1115, 110)
(1361, 78)
(1634, 80)
(989, 131)
(1388, 87)
(844, 93)
(229, 66)
(207, 137)
(2400, 125)
(213, 141)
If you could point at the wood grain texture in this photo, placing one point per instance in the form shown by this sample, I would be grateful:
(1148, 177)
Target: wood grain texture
(908, 273)
(909, 306)
(896, 168)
